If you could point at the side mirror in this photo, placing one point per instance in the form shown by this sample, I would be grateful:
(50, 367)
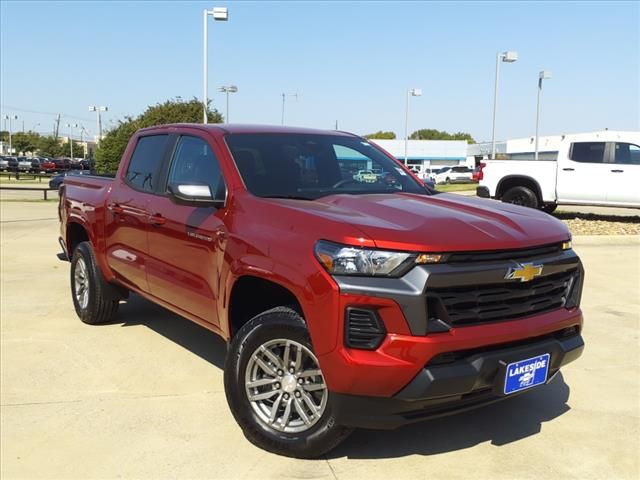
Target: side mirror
(194, 196)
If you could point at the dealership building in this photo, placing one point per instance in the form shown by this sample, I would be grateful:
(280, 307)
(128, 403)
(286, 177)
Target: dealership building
(423, 154)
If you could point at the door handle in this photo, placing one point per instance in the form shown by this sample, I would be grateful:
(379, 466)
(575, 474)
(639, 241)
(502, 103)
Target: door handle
(568, 169)
(157, 220)
(115, 208)
(617, 171)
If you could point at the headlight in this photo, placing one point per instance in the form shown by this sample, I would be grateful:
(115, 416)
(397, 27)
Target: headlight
(345, 260)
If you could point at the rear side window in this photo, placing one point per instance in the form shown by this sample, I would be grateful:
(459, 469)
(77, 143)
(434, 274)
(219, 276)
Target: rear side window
(588, 152)
(142, 172)
(194, 163)
(627, 153)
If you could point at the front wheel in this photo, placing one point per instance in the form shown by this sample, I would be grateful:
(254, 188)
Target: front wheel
(549, 207)
(275, 388)
(521, 196)
(88, 288)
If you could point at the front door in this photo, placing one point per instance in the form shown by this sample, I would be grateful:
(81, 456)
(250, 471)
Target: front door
(186, 244)
(624, 175)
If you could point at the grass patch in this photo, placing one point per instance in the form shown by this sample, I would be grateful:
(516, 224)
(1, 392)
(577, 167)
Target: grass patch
(456, 187)
(28, 200)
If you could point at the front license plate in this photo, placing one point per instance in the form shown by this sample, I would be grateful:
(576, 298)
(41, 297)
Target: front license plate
(526, 373)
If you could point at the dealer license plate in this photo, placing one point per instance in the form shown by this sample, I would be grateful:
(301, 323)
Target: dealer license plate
(526, 373)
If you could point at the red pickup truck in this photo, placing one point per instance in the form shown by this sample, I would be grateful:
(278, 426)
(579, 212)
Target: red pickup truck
(345, 303)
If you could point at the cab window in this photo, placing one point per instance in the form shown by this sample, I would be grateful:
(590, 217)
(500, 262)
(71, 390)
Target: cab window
(627, 153)
(588, 152)
(194, 163)
(142, 171)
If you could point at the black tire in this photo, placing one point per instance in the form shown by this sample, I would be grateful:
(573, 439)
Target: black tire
(549, 207)
(447, 181)
(277, 323)
(521, 196)
(98, 306)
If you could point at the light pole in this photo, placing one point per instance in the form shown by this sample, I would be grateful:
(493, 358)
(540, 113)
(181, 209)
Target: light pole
(228, 89)
(34, 127)
(94, 108)
(543, 75)
(84, 145)
(285, 95)
(10, 117)
(507, 57)
(71, 126)
(412, 92)
(219, 14)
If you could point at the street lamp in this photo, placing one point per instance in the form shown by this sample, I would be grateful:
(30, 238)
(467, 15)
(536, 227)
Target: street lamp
(507, 57)
(543, 75)
(412, 92)
(82, 131)
(94, 108)
(71, 126)
(10, 117)
(228, 89)
(284, 96)
(34, 127)
(219, 14)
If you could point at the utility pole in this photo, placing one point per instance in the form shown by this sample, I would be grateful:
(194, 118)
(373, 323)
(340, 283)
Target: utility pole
(57, 127)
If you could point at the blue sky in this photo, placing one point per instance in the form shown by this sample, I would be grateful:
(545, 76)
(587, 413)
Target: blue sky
(351, 62)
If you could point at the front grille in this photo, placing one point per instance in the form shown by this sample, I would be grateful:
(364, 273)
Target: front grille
(470, 305)
(519, 254)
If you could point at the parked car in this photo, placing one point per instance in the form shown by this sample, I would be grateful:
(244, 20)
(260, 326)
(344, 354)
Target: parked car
(42, 164)
(454, 175)
(58, 180)
(62, 164)
(345, 304)
(366, 176)
(591, 169)
(4, 164)
(12, 164)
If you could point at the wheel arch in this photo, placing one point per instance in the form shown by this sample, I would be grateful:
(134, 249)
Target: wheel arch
(251, 295)
(511, 181)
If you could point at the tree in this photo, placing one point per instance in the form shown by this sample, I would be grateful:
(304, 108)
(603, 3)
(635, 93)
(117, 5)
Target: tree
(25, 141)
(382, 135)
(49, 147)
(112, 146)
(433, 134)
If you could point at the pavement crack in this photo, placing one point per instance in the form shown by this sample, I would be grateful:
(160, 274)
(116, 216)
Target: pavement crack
(333, 472)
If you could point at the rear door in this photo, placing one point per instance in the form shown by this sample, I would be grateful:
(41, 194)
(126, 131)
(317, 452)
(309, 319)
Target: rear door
(127, 218)
(623, 178)
(582, 173)
(186, 244)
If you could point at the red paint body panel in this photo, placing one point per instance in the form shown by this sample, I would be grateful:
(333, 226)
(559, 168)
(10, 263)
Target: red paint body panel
(190, 261)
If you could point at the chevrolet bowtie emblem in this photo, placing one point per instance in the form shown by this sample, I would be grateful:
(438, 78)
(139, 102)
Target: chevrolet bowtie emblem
(524, 272)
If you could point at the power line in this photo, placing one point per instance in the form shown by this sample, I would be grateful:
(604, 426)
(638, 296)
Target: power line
(24, 110)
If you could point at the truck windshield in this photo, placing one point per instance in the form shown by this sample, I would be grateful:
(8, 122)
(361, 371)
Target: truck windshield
(310, 166)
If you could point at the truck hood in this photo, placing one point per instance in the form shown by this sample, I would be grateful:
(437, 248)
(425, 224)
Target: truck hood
(438, 223)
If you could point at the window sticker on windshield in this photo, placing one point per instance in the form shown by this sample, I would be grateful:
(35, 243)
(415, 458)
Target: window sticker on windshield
(400, 171)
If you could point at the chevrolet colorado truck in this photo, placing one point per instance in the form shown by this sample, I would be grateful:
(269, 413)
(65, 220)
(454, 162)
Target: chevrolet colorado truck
(345, 303)
(591, 169)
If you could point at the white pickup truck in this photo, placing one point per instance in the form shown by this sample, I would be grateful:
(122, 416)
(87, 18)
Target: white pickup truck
(591, 169)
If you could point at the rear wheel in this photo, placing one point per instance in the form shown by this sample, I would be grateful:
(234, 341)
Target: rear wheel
(521, 196)
(88, 288)
(275, 388)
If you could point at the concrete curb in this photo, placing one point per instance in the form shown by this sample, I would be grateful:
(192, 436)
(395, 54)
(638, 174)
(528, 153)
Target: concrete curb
(579, 240)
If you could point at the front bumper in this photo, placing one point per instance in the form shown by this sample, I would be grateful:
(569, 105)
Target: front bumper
(471, 381)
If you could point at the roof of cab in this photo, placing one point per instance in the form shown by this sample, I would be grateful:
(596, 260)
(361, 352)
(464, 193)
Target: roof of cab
(225, 128)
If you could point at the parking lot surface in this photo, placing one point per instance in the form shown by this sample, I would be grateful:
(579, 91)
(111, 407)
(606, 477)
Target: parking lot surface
(143, 397)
